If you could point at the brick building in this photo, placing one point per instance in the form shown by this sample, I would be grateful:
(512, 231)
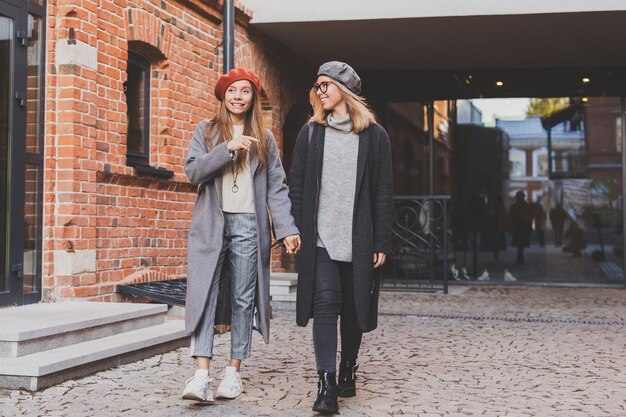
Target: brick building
(114, 90)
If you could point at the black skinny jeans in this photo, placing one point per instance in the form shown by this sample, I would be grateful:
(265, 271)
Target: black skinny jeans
(334, 295)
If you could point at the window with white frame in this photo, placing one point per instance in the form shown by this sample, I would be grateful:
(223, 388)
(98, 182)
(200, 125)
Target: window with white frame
(517, 163)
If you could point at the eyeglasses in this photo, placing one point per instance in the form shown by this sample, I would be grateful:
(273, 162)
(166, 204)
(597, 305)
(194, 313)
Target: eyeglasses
(323, 86)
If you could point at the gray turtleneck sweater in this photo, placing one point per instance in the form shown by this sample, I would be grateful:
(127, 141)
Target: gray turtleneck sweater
(337, 189)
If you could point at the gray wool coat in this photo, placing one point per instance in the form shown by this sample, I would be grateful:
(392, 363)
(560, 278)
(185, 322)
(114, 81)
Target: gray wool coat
(204, 169)
(371, 227)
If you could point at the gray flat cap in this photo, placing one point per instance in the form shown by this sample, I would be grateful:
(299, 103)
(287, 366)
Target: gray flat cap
(343, 73)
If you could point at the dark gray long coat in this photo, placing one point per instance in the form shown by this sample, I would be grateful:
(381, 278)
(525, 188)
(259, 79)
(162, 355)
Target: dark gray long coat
(206, 234)
(373, 215)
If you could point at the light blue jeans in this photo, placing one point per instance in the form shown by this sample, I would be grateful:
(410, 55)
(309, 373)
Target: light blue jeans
(240, 243)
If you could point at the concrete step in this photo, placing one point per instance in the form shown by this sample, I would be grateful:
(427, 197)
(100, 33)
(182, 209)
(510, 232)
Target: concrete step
(43, 369)
(283, 283)
(283, 289)
(284, 278)
(38, 327)
(284, 302)
(284, 297)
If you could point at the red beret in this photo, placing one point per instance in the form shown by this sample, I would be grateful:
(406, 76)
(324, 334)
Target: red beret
(233, 75)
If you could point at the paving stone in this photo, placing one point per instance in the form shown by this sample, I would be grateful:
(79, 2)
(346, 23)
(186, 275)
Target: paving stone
(488, 351)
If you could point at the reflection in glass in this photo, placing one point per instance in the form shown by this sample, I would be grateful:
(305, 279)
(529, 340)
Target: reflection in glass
(407, 122)
(32, 234)
(33, 84)
(6, 62)
(569, 226)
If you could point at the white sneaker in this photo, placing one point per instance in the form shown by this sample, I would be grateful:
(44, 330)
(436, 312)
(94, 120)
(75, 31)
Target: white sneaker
(231, 386)
(198, 387)
(464, 272)
(455, 272)
(508, 276)
(484, 276)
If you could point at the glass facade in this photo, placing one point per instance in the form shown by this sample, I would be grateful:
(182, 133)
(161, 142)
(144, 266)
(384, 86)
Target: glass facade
(535, 181)
(556, 214)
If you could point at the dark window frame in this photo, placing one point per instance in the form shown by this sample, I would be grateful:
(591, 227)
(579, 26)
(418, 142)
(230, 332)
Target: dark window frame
(134, 158)
(18, 156)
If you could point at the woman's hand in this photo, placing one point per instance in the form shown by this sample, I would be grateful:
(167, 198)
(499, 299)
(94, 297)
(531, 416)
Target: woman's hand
(292, 243)
(222, 328)
(242, 143)
(379, 259)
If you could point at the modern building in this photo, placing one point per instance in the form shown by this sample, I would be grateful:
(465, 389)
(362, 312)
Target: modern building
(420, 63)
(98, 100)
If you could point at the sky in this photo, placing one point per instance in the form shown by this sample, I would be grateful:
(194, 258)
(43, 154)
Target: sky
(504, 108)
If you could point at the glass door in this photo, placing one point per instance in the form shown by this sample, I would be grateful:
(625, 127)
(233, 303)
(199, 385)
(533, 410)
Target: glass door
(8, 18)
(31, 171)
(21, 150)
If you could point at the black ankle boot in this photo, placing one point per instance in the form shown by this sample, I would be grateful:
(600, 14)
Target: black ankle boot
(347, 378)
(326, 402)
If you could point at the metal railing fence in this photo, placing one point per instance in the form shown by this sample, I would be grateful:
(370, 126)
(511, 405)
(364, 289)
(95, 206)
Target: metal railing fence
(419, 254)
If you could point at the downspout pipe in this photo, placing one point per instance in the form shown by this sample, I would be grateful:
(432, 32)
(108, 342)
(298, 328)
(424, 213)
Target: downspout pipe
(431, 147)
(228, 37)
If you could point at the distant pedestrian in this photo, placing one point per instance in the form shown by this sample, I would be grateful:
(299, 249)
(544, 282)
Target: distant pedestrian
(575, 237)
(234, 161)
(493, 236)
(341, 193)
(539, 222)
(557, 217)
(521, 219)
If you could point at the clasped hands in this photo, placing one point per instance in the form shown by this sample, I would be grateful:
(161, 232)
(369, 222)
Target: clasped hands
(292, 244)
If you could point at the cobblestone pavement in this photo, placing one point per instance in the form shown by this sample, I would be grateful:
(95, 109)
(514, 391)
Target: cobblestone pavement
(486, 351)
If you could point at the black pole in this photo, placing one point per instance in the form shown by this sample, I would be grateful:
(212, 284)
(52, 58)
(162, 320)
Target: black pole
(431, 187)
(550, 169)
(623, 140)
(228, 40)
(445, 245)
(431, 147)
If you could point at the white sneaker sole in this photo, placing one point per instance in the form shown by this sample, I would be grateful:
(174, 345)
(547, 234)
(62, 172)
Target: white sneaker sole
(219, 394)
(193, 397)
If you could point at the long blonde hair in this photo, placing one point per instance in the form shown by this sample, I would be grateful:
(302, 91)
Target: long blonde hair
(359, 111)
(221, 126)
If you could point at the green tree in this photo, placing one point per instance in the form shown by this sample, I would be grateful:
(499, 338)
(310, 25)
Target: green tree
(546, 106)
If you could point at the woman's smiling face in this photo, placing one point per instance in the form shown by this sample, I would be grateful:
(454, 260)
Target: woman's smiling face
(327, 91)
(238, 97)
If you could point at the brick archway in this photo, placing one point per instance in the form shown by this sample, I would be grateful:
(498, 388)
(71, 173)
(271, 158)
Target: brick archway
(146, 27)
(247, 56)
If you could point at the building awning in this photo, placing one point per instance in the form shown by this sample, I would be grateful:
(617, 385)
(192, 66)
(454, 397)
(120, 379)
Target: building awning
(408, 35)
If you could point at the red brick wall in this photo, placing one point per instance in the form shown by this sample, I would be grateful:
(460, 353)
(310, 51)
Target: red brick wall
(104, 223)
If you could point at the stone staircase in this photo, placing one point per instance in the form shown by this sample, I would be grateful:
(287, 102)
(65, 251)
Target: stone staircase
(283, 286)
(45, 344)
